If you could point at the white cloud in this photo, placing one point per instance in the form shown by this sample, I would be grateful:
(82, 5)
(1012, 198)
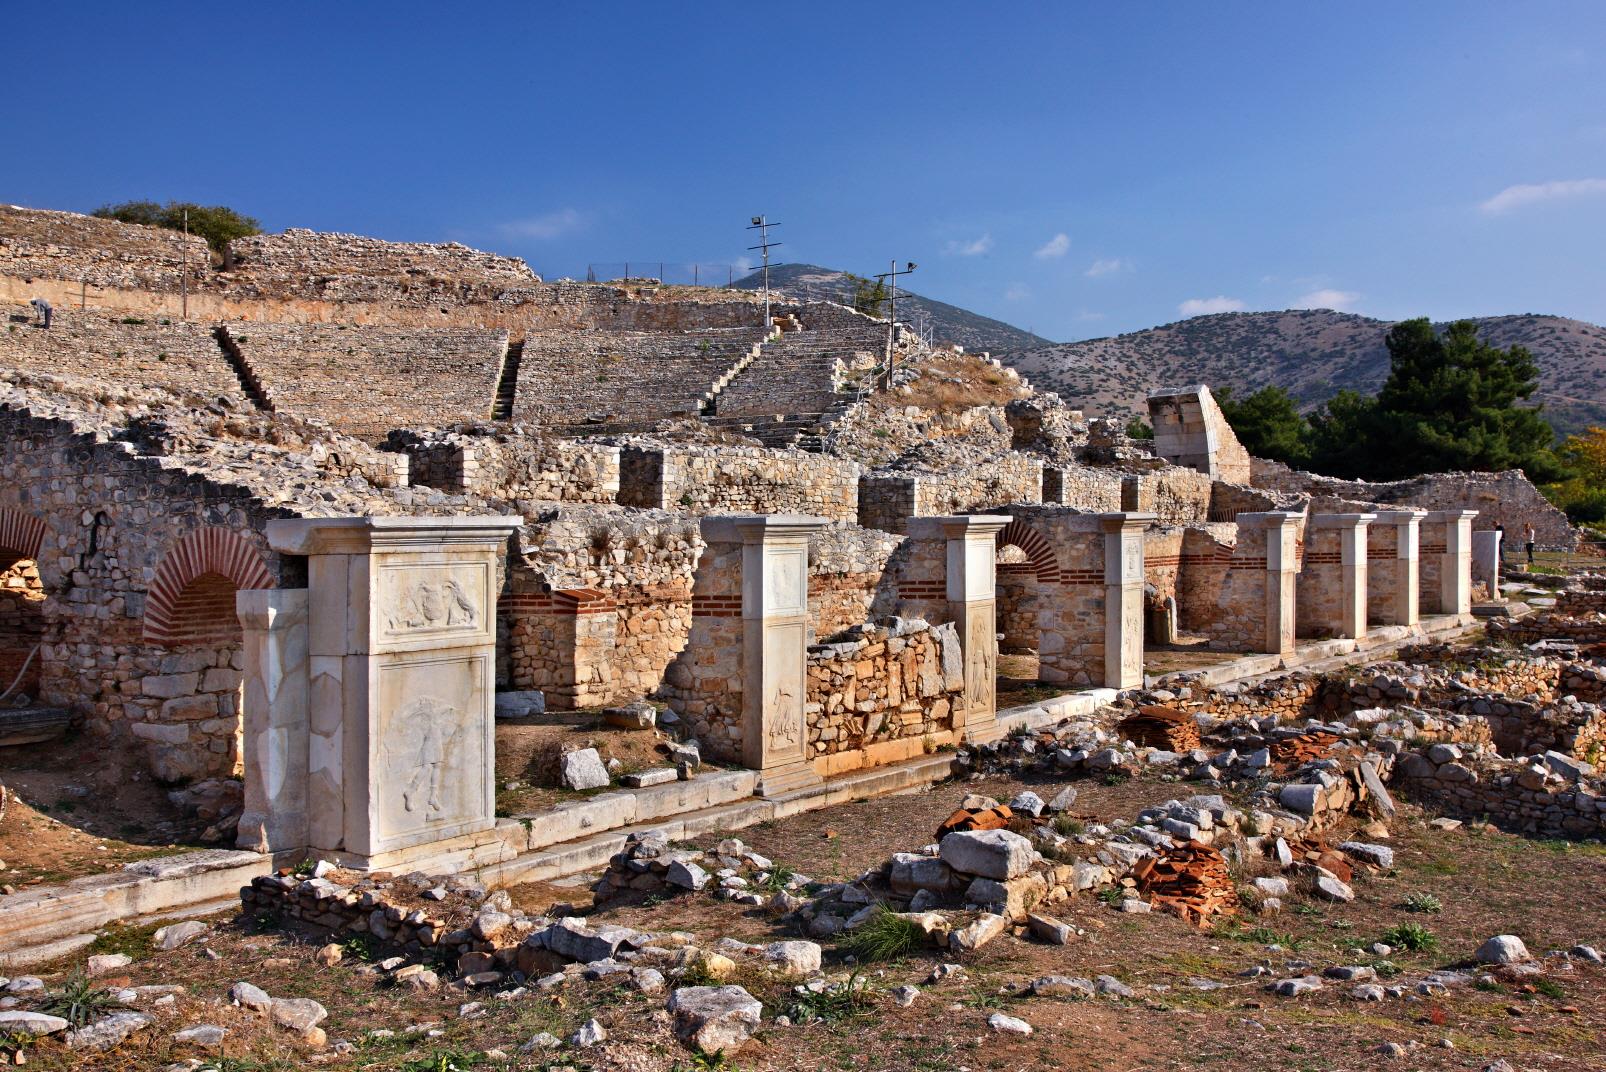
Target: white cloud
(974, 248)
(552, 225)
(1524, 194)
(1108, 266)
(1057, 246)
(1327, 298)
(1219, 304)
(1017, 292)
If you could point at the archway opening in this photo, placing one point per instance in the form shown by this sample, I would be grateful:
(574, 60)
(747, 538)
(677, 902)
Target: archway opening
(22, 627)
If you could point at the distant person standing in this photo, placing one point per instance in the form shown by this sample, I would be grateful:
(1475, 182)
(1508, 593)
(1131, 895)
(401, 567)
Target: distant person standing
(1501, 543)
(1528, 540)
(42, 307)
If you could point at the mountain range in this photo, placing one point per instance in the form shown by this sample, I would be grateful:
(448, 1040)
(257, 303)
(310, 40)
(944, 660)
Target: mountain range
(948, 323)
(1312, 353)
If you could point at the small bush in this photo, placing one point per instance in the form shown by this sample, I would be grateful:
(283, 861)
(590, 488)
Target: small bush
(886, 936)
(1411, 936)
(1422, 902)
(79, 1001)
(837, 1003)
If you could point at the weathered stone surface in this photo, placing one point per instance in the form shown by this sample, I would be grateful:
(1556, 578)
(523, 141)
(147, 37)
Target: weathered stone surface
(714, 1019)
(977, 933)
(1009, 1025)
(583, 769)
(793, 958)
(108, 1032)
(106, 963)
(32, 1023)
(996, 854)
(206, 1036)
(250, 997)
(1503, 949)
(298, 1014)
(179, 934)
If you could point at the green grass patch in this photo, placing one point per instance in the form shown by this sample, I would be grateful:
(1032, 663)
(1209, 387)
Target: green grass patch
(1411, 936)
(885, 936)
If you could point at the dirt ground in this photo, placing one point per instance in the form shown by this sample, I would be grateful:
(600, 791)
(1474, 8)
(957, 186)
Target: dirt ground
(527, 751)
(1193, 1007)
(74, 815)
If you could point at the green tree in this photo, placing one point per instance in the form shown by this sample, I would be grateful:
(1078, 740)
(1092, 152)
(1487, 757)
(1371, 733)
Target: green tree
(1138, 428)
(1582, 491)
(1451, 401)
(218, 224)
(1268, 424)
(869, 296)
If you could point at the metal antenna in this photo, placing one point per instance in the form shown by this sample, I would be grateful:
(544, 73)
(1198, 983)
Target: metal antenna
(762, 226)
(892, 316)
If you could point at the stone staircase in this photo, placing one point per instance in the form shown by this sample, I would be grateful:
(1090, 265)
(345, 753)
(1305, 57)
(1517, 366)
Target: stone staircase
(507, 384)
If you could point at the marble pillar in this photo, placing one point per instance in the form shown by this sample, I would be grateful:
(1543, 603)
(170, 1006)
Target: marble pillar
(775, 638)
(1123, 598)
(1486, 560)
(1281, 567)
(274, 716)
(1451, 592)
(401, 668)
(972, 552)
(1392, 580)
(1333, 581)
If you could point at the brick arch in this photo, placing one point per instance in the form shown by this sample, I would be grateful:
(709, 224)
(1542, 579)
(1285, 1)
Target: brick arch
(1038, 552)
(204, 567)
(21, 533)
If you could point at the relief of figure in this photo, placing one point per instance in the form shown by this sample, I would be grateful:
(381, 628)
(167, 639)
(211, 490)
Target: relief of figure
(421, 736)
(431, 604)
(784, 715)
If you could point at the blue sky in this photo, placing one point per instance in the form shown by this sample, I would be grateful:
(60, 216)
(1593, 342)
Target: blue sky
(1077, 169)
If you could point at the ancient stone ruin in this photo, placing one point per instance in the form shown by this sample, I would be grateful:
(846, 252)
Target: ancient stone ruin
(302, 559)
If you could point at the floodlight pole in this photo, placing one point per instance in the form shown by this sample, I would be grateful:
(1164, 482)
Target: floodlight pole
(892, 314)
(762, 225)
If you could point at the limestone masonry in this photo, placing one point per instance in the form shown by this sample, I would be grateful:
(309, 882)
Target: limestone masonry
(305, 537)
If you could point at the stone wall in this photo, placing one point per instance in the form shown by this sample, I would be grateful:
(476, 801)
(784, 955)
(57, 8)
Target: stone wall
(883, 681)
(706, 480)
(513, 465)
(604, 376)
(887, 499)
(601, 606)
(131, 351)
(1506, 498)
(366, 381)
(1094, 490)
(1519, 795)
(22, 623)
(1190, 430)
(1174, 494)
(853, 576)
(40, 244)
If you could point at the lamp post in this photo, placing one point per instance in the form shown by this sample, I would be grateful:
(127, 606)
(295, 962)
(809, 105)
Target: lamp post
(762, 226)
(892, 316)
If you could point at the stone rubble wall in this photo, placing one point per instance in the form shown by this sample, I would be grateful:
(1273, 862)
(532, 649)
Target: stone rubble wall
(1545, 626)
(366, 381)
(1174, 494)
(1190, 430)
(1506, 498)
(41, 244)
(604, 376)
(888, 499)
(854, 576)
(1580, 603)
(512, 465)
(882, 681)
(22, 622)
(600, 608)
(1094, 490)
(878, 431)
(1514, 794)
(704, 683)
(130, 351)
(707, 480)
(1228, 500)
